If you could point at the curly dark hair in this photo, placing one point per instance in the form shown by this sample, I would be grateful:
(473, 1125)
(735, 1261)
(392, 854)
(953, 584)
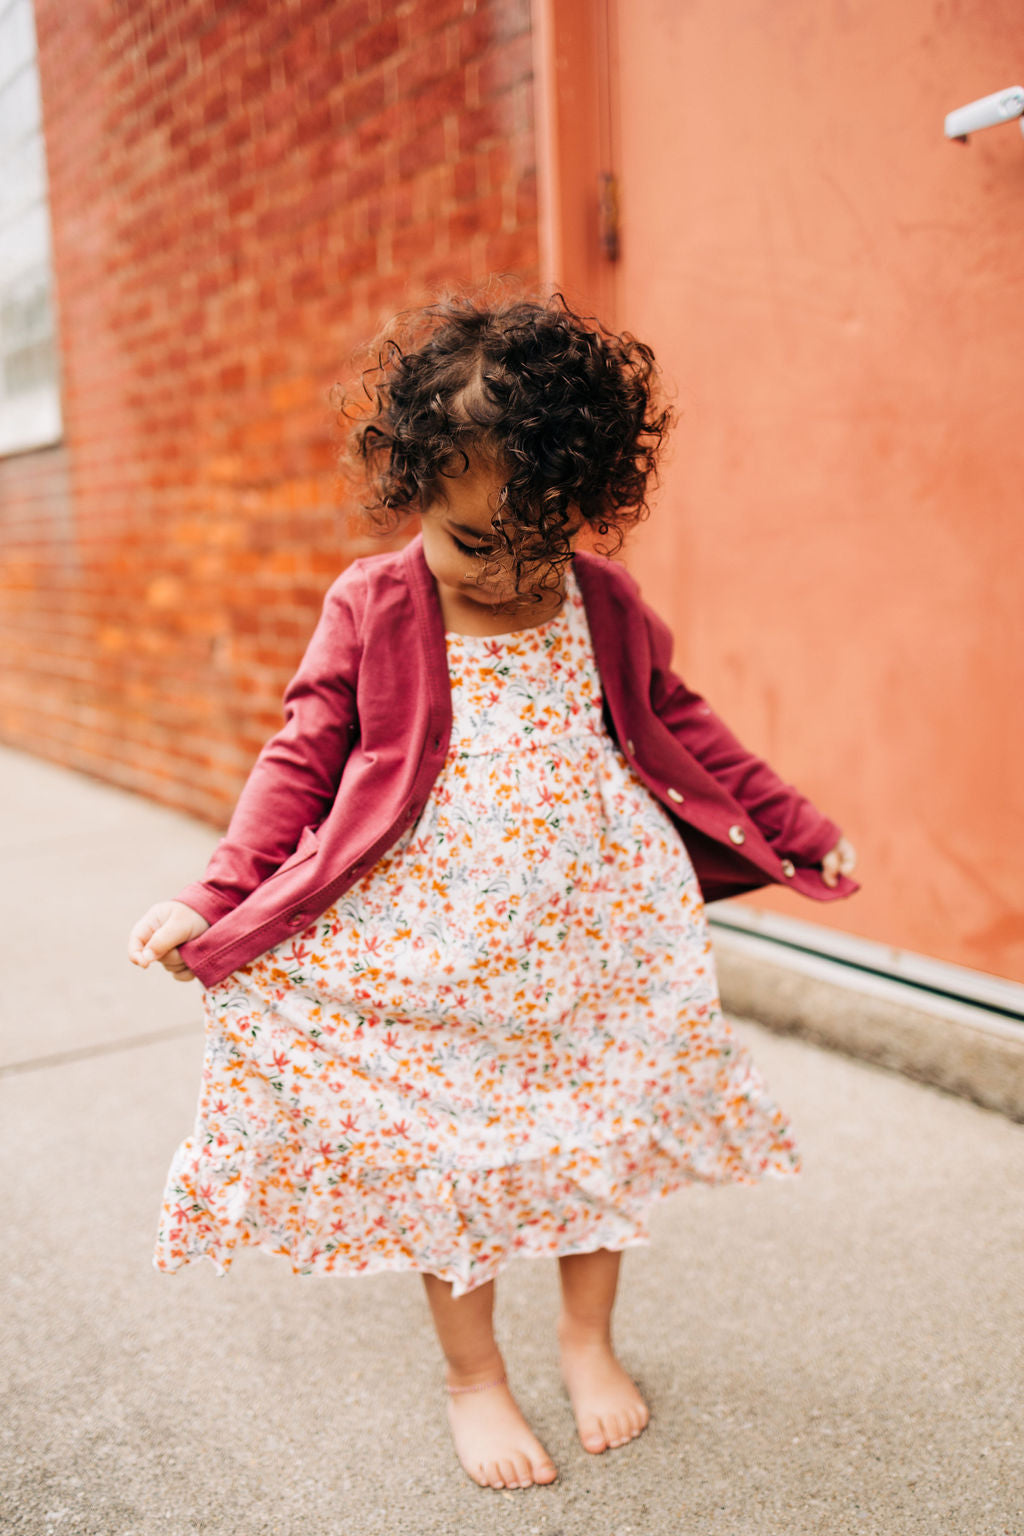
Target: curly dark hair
(564, 407)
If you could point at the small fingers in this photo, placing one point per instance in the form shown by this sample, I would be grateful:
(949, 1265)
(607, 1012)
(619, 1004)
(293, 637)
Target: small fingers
(156, 936)
(163, 945)
(139, 952)
(176, 967)
(840, 860)
(173, 962)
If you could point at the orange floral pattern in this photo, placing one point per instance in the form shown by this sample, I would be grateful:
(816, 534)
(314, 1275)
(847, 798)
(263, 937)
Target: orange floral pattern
(504, 1041)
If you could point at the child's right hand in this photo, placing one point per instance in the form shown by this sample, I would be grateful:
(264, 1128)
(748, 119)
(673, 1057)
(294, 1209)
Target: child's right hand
(157, 936)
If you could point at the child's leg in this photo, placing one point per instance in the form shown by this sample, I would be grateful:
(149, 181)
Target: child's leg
(493, 1440)
(609, 1410)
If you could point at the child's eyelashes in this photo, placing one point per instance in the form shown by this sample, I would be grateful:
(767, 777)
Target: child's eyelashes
(472, 549)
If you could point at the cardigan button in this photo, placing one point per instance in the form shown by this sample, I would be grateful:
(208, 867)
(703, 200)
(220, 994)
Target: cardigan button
(737, 834)
(297, 919)
(674, 794)
(788, 868)
(630, 749)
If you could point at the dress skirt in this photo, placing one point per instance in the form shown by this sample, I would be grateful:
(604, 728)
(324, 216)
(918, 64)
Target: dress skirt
(505, 1040)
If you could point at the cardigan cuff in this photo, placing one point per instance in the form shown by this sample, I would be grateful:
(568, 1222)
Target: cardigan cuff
(811, 850)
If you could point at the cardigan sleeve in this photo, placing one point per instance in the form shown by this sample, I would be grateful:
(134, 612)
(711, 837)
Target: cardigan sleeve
(793, 827)
(294, 780)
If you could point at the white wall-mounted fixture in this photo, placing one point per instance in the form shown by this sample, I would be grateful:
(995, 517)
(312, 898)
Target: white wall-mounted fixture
(987, 112)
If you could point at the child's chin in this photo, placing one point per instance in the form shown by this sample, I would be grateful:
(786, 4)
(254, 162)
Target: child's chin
(484, 598)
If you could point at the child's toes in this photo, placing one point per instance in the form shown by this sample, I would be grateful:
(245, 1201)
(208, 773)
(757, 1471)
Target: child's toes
(543, 1471)
(615, 1430)
(592, 1434)
(495, 1444)
(522, 1469)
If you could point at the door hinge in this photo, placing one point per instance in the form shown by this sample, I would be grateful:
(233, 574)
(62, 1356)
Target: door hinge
(608, 214)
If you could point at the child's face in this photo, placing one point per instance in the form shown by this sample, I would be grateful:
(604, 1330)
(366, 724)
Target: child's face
(459, 540)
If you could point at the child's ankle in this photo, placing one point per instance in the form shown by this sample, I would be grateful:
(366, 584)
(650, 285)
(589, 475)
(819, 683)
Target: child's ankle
(582, 1330)
(467, 1375)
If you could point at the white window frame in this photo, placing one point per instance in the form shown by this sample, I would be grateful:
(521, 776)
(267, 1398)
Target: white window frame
(30, 408)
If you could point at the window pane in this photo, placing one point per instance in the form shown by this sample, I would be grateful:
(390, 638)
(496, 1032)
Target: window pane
(20, 108)
(22, 178)
(17, 39)
(29, 367)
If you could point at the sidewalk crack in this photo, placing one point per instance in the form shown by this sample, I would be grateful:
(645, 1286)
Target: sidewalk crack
(103, 1048)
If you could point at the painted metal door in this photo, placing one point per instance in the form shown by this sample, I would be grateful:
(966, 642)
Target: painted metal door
(835, 292)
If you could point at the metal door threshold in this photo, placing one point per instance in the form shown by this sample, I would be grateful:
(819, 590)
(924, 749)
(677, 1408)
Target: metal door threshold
(867, 965)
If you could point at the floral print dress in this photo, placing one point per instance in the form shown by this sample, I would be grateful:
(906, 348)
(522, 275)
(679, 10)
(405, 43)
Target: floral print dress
(504, 1041)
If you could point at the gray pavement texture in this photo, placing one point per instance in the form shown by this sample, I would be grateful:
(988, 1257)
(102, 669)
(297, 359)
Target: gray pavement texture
(835, 1353)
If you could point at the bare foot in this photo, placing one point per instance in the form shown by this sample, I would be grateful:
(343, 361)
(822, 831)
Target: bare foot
(608, 1407)
(493, 1441)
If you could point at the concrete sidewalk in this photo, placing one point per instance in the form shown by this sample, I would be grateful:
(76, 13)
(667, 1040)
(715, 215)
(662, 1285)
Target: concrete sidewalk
(837, 1353)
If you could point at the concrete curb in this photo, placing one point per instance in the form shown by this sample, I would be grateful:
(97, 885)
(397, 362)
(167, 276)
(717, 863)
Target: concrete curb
(968, 1051)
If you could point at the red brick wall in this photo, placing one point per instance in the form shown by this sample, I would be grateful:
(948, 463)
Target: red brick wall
(240, 195)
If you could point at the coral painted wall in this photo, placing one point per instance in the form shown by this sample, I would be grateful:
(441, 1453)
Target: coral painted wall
(836, 292)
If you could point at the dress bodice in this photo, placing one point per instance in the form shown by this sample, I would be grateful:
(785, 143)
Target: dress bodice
(526, 689)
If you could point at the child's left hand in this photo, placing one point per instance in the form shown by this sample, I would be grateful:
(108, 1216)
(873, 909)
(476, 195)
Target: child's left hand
(840, 860)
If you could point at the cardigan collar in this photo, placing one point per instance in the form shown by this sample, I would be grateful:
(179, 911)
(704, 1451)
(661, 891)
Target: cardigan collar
(430, 626)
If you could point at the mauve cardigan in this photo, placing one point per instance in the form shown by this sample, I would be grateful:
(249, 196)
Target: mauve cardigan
(367, 723)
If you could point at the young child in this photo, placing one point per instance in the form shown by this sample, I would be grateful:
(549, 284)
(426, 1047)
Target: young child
(459, 993)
